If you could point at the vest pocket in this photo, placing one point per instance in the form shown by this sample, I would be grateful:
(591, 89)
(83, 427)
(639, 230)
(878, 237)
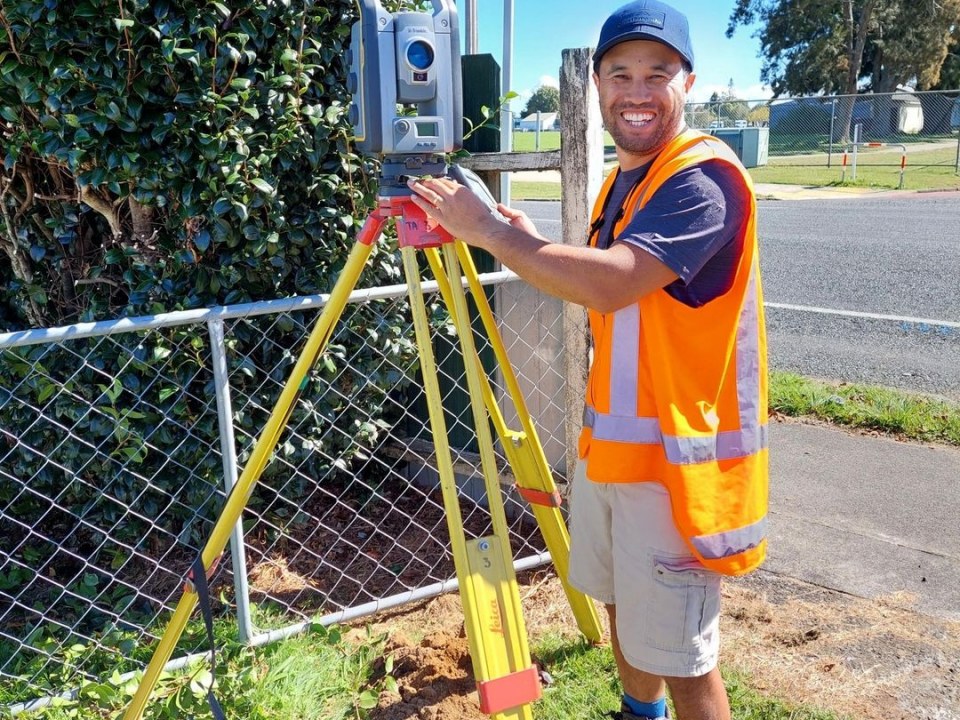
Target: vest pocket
(684, 602)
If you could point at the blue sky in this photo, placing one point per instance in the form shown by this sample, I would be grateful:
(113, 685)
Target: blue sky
(543, 28)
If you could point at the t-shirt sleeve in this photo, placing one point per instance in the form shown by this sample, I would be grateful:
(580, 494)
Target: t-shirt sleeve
(694, 216)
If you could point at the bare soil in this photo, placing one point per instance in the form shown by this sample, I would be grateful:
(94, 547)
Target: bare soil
(862, 659)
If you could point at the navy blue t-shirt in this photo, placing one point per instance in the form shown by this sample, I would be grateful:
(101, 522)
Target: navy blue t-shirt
(691, 225)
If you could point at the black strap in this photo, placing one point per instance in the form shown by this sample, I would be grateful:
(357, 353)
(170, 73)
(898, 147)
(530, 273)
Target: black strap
(199, 576)
(599, 222)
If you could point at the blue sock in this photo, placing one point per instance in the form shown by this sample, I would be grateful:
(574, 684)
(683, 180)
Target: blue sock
(657, 709)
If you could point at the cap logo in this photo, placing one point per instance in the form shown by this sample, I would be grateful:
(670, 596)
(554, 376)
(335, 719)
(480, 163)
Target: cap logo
(646, 17)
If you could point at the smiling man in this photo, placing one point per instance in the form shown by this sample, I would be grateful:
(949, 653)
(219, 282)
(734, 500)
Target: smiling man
(670, 492)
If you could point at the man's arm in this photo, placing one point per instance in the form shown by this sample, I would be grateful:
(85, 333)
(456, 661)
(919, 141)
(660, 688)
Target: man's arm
(602, 280)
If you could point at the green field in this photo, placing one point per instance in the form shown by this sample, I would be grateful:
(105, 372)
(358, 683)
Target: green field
(929, 166)
(527, 141)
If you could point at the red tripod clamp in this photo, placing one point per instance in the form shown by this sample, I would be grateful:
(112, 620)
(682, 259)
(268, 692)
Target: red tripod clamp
(415, 229)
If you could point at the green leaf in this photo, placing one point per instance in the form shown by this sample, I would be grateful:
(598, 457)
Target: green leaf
(48, 390)
(367, 700)
(262, 185)
(122, 23)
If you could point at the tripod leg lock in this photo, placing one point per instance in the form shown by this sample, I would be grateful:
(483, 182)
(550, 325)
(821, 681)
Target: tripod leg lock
(540, 497)
(510, 691)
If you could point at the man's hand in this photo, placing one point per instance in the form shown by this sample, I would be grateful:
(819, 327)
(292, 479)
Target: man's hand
(463, 214)
(519, 219)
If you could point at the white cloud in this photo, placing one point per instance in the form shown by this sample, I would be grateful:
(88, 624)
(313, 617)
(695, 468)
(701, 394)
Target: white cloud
(548, 81)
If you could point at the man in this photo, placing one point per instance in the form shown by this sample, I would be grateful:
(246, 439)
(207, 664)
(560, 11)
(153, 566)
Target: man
(671, 490)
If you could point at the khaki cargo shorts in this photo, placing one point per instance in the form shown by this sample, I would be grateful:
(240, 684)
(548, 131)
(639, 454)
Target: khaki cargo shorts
(625, 551)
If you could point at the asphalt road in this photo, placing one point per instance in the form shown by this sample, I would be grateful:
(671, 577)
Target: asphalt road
(896, 254)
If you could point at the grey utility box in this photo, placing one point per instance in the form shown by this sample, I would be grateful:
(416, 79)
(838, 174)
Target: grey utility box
(750, 144)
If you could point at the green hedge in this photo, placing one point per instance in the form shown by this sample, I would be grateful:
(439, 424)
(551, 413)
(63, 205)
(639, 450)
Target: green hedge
(209, 148)
(158, 156)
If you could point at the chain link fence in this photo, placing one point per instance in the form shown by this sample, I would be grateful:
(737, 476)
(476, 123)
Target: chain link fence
(121, 439)
(816, 131)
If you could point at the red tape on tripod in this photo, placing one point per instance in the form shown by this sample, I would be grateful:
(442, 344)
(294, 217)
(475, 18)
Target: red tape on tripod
(509, 691)
(540, 497)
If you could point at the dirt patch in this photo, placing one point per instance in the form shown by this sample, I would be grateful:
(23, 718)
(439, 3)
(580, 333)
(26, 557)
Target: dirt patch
(869, 659)
(864, 659)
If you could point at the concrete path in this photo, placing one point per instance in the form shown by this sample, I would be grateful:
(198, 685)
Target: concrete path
(866, 515)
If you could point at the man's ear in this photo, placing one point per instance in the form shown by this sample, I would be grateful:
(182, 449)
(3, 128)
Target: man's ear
(689, 82)
(596, 79)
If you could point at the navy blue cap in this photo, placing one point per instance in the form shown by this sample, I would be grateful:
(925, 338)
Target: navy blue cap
(646, 20)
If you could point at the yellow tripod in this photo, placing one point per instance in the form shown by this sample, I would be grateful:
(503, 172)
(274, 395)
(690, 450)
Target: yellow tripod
(507, 682)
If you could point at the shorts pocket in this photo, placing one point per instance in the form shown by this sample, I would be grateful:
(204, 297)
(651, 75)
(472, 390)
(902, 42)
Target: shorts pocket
(684, 604)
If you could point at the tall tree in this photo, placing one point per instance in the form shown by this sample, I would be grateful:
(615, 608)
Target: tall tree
(544, 99)
(950, 72)
(813, 47)
(912, 44)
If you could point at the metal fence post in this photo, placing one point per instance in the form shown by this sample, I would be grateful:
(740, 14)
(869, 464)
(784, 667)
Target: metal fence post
(833, 119)
(856, 143)
(228, 451)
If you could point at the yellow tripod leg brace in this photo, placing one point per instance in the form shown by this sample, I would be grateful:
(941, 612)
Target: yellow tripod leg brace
(522, 448)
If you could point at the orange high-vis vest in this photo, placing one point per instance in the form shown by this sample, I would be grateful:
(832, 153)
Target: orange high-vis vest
(678, 394)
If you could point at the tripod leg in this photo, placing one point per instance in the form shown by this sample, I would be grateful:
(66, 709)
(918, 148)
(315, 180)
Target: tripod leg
(267, 442)
(525, 453)
(506, 680)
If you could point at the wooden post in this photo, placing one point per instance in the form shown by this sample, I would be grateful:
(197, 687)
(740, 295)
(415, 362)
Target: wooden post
(581, 170)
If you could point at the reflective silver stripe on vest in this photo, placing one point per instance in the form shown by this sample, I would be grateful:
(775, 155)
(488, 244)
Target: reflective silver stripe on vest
(748, 355)
(731, 542)
(619, 428)
(622, 424)
(625, 353)
(679, 450)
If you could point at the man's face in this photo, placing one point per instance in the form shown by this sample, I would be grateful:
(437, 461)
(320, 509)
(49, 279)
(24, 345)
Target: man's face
(643, 88)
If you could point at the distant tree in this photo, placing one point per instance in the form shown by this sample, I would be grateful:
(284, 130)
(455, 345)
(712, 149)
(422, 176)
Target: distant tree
(950, 72)
(913, 46)
(544, 99)
(831, 46)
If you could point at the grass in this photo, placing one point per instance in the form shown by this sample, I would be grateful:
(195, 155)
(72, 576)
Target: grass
(906, 415)
(526, 141)
(926, 169)
(585, 686)
(318, 675)
(321, 676)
